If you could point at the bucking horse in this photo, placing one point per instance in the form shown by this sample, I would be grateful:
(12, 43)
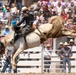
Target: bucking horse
(53, 29)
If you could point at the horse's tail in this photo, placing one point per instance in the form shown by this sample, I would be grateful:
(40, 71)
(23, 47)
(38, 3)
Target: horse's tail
(57, 22)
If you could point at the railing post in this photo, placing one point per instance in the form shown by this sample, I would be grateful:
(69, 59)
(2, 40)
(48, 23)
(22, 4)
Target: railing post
(54, 44)
(42, 59)
(53, 53)
(75, 64)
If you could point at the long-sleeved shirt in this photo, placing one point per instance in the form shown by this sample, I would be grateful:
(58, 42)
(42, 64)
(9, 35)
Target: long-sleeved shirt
(9, 50)
(5, 32)
(66, 52)
(46, 52)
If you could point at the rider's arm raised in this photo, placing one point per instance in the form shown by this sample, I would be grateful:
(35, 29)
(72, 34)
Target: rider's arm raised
(23, 19)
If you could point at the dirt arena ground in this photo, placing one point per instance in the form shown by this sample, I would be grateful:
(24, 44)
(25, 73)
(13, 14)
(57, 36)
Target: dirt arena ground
(38, 74)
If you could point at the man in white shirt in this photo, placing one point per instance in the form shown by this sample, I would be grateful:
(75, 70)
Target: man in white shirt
(63, 2)
(55, 3)
(47, 58)
(59, 8)
(74, 2)
(9, 50)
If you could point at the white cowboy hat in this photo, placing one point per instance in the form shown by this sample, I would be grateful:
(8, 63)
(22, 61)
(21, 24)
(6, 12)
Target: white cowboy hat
(24, 8)
(65, 43)
(48, 45)
(71, 40)
(6, 26)
(61, 43)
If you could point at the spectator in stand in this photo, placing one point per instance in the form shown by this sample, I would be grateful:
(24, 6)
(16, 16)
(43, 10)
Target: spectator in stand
(46, 13)
(2, 7)
(55, 3)
(39, 19)
(40, 3)
(74, 2)
(59, 8)
(66, 8)
(70, 14)
(8, 15)
(13, 9)
(9, 2)
(1, 14)
(72, 6)
(54, 13)
(66, 54)
(63, 2)
(64, 15)
(74, 16)
(6, 31)
(69, 3)
(1, 26)
(18, 4)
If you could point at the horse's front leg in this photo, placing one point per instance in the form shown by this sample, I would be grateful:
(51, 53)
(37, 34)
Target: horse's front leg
(20, 49)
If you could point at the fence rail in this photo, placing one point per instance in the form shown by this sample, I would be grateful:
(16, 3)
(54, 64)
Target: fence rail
(31, 61)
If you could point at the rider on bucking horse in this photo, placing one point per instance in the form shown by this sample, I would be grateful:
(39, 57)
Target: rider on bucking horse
(28, 19)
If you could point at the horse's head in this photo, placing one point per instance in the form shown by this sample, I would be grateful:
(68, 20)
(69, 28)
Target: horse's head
(2, 48)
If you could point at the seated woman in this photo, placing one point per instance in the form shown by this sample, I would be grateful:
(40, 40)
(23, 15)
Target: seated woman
(6, 31)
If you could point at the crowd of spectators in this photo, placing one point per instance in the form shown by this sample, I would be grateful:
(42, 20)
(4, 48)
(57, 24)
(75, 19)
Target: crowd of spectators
(42, 10)
(65, 9)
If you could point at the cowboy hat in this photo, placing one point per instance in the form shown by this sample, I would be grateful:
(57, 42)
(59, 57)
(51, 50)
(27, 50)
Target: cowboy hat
(48, 45)
(65, 43)
(61, 43)
(71, 40)
(24, 9)
(6, 26)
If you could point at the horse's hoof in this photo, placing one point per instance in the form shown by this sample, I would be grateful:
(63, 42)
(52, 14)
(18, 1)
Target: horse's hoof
(13, 67)
(14, 64)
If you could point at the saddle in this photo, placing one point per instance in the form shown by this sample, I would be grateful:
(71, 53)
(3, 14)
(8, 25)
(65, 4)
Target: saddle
(24, 32)
(27, 30)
